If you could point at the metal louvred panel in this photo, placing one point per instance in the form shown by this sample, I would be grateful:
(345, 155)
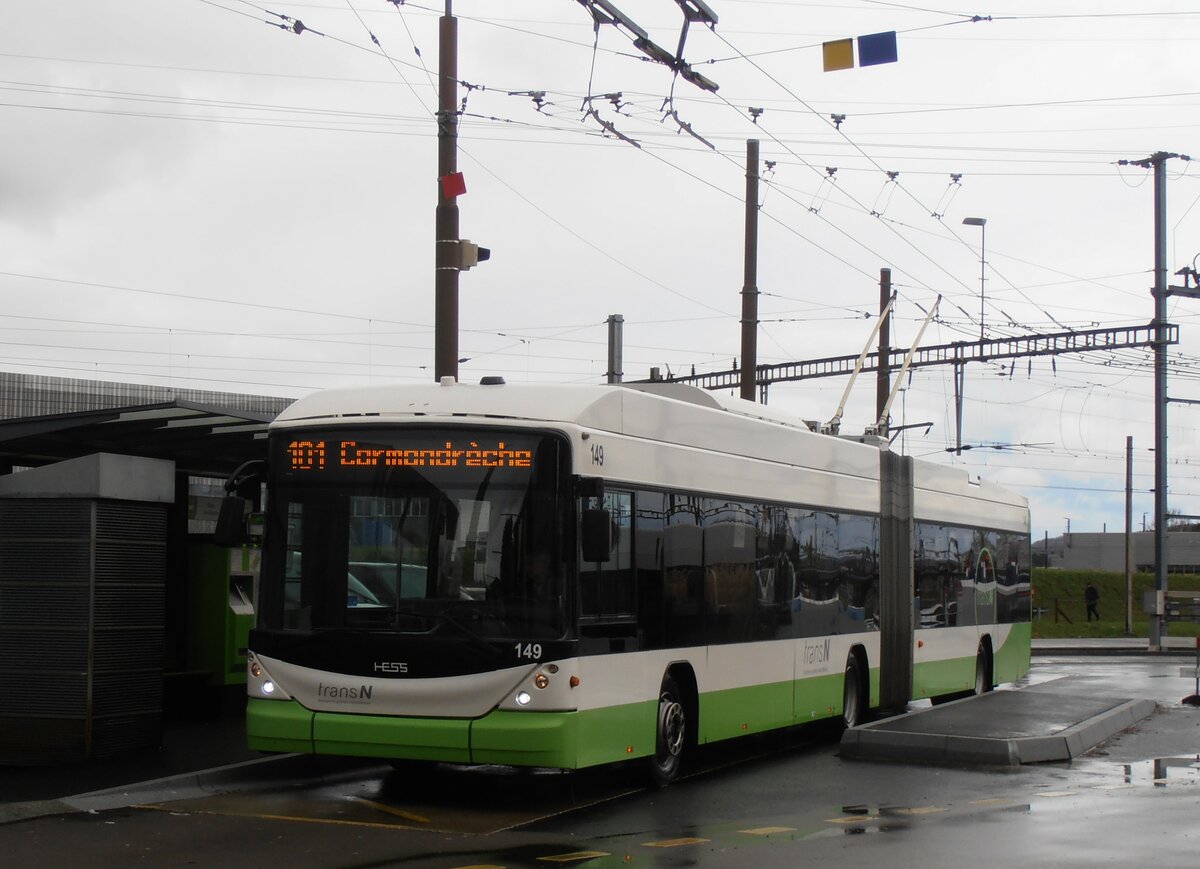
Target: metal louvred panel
(64, 695)
(126, 605)
(120, 520)
(129, 562)
(47, 560)
(44, 606)
(42, 518)
(82, 627)
(127, 649)
(124, 693)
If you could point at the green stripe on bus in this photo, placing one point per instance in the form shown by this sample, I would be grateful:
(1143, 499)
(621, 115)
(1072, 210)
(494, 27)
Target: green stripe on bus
(1011, 661)
(950, 676)
(758, 708)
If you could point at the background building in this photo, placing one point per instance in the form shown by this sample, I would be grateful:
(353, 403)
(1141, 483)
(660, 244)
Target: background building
(1095, 551)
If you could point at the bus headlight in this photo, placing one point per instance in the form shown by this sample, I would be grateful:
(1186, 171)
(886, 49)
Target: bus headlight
(540, 680)
(523, 698)
(259, 682)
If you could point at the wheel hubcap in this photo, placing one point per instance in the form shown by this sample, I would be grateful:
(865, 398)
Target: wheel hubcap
(671, 726)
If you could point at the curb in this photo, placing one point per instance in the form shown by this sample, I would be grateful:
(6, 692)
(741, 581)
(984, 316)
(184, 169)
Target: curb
(882, 741)
(248, 775)
(1110, 651)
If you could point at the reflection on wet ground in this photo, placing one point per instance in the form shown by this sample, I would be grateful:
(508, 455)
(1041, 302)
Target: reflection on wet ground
(1158, 772)
(442, 798)
(480, 799)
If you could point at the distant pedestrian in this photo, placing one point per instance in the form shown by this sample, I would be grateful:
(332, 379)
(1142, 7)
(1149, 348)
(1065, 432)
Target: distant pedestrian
(1091, 596)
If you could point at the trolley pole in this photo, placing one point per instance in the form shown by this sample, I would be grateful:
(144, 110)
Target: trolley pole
(445, 336)
(750, 285)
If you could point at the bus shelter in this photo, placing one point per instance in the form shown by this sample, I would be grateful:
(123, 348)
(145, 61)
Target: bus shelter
(115, 607)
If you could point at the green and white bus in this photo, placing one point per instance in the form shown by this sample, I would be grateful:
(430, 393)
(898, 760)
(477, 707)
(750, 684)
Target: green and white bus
(567, 576)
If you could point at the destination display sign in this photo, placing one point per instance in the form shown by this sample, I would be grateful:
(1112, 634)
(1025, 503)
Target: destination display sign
(316, 455)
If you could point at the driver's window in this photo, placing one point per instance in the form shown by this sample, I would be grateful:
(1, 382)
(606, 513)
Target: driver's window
(607, 588)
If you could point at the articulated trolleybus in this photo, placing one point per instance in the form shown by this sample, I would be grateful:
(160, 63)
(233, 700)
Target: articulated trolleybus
(566, 576)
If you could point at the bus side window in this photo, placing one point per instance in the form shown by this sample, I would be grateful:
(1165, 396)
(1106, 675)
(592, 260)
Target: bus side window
(607, 588)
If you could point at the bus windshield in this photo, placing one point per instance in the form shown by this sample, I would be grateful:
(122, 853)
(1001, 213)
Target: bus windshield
(415, 531)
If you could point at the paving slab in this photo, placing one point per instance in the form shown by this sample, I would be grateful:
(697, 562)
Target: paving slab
(1038, 724)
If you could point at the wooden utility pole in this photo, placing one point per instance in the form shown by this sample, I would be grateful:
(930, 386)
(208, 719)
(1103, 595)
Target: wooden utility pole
(446, 256)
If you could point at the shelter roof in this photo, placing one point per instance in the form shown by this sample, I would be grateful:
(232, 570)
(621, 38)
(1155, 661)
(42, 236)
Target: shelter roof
(202, 439)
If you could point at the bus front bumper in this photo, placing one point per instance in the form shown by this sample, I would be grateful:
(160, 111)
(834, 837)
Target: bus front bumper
(547, 739)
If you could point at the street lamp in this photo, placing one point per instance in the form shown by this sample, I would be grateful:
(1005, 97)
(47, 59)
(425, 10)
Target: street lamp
(981, 222)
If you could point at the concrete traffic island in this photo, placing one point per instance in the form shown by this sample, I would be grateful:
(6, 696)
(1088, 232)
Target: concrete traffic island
(1039, 724)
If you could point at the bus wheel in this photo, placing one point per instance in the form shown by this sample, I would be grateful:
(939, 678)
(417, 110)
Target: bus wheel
(983, 670)
(670, 734)
(852, 694)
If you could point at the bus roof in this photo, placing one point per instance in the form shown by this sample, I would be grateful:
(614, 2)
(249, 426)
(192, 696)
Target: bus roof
(670, 412)
(584, 404)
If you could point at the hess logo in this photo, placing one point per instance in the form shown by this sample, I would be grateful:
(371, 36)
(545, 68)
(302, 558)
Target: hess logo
(391, 667)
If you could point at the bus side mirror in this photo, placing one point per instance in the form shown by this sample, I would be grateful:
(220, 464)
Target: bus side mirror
(231, 527)
(240, 488)
(589, 488)
(595, 535)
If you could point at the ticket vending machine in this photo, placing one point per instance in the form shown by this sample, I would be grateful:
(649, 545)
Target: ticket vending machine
(221, 585)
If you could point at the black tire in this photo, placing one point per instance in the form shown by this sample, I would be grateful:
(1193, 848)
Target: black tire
(670, 735)
(983, 670)
(853, 708)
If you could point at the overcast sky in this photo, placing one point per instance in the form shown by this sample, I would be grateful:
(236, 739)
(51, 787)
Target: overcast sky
(193, 195)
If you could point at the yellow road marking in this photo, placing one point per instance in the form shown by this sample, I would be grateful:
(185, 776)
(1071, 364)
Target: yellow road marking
(920, 810)
(768, 831)
(673, 843)
(269, 817)
(1057, 794)
(852, 819)
(392, 810)
(574, 856)
(994, 801)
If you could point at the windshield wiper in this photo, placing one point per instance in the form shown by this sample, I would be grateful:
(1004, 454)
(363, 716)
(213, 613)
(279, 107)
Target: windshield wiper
(443, 617)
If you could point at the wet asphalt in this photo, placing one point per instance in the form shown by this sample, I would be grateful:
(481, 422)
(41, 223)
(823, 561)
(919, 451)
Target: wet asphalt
(791, 800)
